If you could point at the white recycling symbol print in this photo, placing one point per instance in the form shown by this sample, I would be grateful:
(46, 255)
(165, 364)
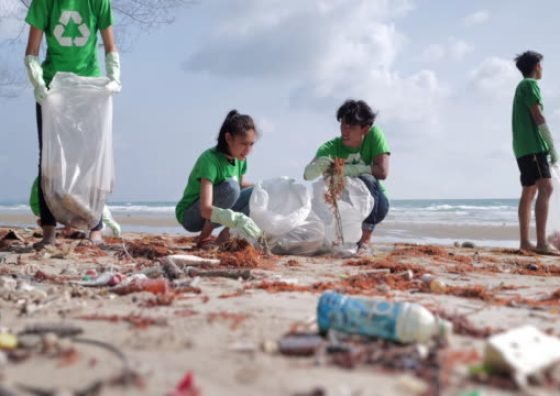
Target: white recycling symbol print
(63, 22)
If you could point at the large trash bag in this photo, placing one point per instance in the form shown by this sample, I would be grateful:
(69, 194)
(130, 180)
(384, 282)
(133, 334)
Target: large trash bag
(278, 205)
(77, 164)
(355, 204)
(307, 239)
(553, 223)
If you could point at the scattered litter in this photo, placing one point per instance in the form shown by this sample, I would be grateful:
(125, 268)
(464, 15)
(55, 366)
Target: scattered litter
(396, 321)
(521, 352)
(182, 260)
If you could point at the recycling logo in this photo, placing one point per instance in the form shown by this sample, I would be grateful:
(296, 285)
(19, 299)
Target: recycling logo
(59, 29)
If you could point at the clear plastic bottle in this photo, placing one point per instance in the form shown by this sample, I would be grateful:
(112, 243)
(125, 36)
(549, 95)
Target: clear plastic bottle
(397, 321)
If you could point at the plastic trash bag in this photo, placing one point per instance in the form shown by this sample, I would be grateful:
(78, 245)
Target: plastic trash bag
(553, 222)
(77, 165)
(306, 239)
(354, 206)
(279, 205)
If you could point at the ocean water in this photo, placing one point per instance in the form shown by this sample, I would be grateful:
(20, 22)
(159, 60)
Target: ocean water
(490, 222)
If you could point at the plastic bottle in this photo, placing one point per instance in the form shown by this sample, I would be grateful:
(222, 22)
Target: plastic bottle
(155, 286)
(397, 321)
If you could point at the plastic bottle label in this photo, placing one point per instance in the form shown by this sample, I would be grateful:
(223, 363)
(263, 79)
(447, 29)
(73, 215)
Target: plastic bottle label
(375, 318)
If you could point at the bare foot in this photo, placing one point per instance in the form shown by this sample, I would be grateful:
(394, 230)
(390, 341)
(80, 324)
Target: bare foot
(49, 238)
(546, 249)
(96, 237)
(527, 247)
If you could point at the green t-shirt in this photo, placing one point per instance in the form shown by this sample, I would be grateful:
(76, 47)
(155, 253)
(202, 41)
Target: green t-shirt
(34, 198)
(70, 28)
(212, 165)
(373, 145)
(526, 137)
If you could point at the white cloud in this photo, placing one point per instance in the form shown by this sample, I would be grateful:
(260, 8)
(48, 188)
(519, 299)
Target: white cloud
(327, 51)
(476, 18)
(12, 13)
(454, 49)
(495, 77)
(459, 48)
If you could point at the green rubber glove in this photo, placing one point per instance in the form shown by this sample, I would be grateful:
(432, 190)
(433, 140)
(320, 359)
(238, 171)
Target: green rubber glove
(113, 69)
(547, 137)
(35, 74)
(231, 219)
(317, 167)
(356, 170)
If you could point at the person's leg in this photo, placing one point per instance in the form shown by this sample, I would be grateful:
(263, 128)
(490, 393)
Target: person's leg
(95, 234)
(544, 188)
(379, 211)
(48, 222)
(524, 215)
(224, 196)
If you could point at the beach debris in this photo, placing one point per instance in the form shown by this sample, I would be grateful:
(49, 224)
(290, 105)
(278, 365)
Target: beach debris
(397, 321)
(104, 279)
(155, 286)
(521, 353)
(317, 391)
(235, 319)
(60, 329)
(10, 235)
(244, 274)
(187, 386)
(170, 269)
(336, 183)
(8, 341)
(136, 320)
(468, 245)
(435, 285)
(181, 260)
(300, 344)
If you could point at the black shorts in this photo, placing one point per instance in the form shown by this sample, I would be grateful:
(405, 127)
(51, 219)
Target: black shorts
(533, 167)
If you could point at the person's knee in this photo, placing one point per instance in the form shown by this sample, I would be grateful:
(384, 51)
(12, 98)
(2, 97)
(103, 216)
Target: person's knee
(545, 188)
(227, 193)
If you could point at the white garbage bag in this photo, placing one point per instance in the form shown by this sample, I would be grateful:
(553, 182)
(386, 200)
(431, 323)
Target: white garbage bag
(553, 222)
(307, 239)
(354, 206)
(77, 164)
(278, 205)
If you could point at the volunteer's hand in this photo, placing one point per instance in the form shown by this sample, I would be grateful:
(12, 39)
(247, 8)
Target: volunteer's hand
(229, 218)
(553, 156)
(356, 170)
(317, 167)
(35, 74)
(113, 69)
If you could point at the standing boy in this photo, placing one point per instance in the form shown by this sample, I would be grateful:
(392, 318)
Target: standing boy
(532, 144)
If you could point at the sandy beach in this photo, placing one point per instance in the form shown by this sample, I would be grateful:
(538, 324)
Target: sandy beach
(223, 331)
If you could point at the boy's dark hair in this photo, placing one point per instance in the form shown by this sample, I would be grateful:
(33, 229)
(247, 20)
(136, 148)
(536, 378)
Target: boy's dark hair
(356, 112)
(236, 124)
(527, 61)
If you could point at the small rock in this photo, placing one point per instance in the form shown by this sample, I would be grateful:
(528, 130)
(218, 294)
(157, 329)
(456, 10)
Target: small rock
(468, 245)
(532, 267)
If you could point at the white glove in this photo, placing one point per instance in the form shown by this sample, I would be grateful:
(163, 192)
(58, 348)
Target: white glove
(229, 218)
(113, 70)
(356, 170)
(547, 137)
(35, 73)
(317, 167)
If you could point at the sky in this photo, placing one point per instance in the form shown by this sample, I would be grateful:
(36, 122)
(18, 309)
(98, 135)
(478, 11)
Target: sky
(439, 73)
